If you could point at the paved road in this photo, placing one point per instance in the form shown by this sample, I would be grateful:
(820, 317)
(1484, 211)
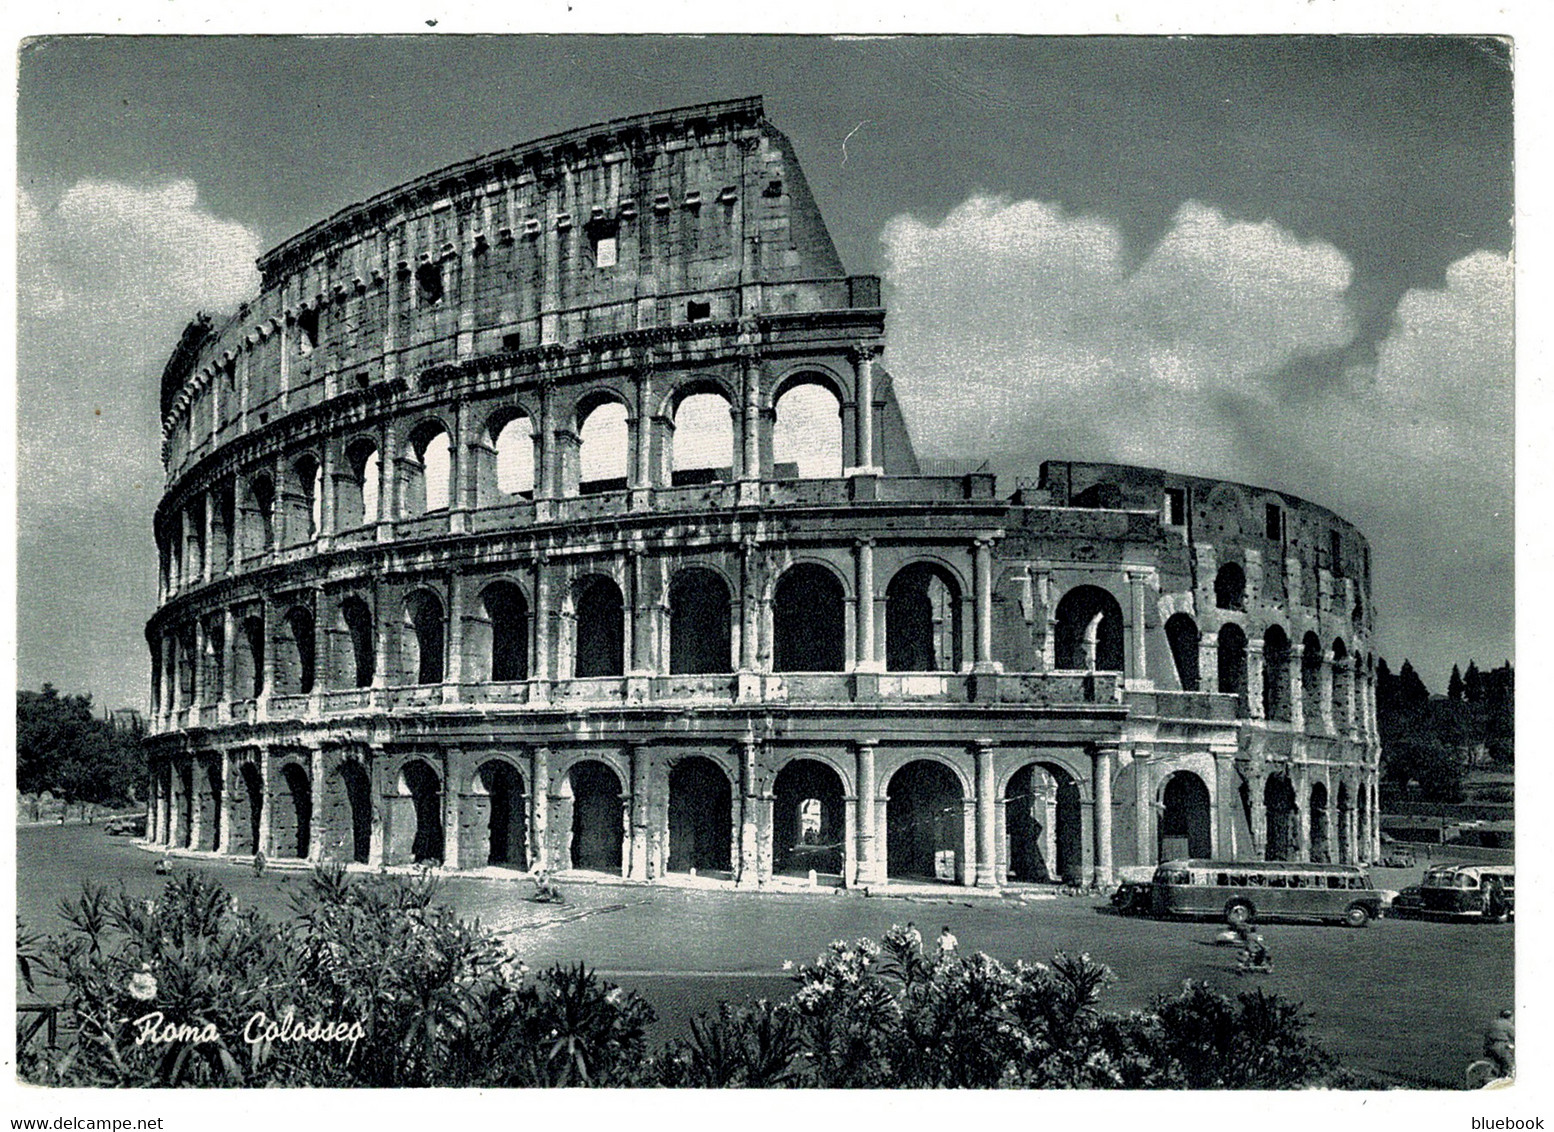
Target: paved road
(1402, 999)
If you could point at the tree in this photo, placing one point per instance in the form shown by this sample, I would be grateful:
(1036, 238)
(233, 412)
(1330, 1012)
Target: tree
(61, 748)
(1473, 684)
(1454, 686)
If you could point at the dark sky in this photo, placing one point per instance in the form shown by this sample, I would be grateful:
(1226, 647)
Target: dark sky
(1256, 236)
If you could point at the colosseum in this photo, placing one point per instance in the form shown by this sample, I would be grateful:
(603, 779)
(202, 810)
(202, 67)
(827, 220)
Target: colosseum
(554, 512)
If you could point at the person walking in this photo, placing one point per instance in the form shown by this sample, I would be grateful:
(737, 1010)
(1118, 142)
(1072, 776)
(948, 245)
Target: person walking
(1500, 1043)
(947, 943)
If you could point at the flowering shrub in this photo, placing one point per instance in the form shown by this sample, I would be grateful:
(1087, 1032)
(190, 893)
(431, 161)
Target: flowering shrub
(374, 983)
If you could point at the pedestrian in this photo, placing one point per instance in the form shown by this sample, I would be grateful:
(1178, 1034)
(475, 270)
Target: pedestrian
(914, 937)
(1500, 1043)
(947, 943)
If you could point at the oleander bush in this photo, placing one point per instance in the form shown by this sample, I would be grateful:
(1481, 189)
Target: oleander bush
(374, 983)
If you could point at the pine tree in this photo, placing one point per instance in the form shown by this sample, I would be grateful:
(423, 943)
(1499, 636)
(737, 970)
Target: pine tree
(1473, 684)
(1454, 686)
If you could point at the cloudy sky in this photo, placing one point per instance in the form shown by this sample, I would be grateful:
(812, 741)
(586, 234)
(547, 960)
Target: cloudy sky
(1280, 260)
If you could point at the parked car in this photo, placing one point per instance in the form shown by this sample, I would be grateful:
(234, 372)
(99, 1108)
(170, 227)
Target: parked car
(1398, 857)
(1408, 904)
(1133, 898)
(132, 826)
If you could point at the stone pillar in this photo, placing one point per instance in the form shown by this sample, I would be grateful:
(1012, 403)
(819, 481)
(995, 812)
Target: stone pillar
(750, 421)
(1300, 781)
(461, 469)
(201, 669)
(539, 809)
(987, 814)
(319, 827)
(641, 470)
(1257, 783)
(863, 362)
(388, 479)
(543, 668)
(383, 628)
(266, 803)
(1144, 841)
(637, 867)
(1297, 689)
(197, 817)
(1208, 662)
(1254, 679)
(208, 548)
(452, 773)
(377, 770)
(1352, 827)
(1325, 695)
(1349, 681)
(453, 672)
(1138, 660)
(228, 806)
(1104, 758)
(868, 791)
(749, 806)
(863, 551)
(229, 631)
(983, 560)
(326, 504)
(151, 814)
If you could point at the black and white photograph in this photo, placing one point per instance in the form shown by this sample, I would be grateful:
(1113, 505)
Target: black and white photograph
(835, 561)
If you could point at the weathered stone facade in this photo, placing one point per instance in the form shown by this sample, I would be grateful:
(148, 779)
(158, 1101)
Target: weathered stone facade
(449, 572)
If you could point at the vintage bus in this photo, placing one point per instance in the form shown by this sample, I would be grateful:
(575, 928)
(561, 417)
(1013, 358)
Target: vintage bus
(1241, 891)
(1468, 891)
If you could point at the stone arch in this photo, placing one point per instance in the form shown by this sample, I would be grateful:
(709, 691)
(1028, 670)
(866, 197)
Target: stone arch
(356, 786)
(183, 785)
(248, 675)
(700, 634)
(604, 442)
(807, 427)
(1183, 637)
(294, 660)
(701, 806)
(493, 815)
(922, 619)
(1276, 674)
(304, 502)
(1230, 587)
(808, 818)
(1340, 684)
(507, 458)
(356, 493)
(1089, 632)
(249, 797)
(422, 639)
(599, 612)
(1186, 827)
(210, 788)
(1280, 808)
(292, 826)
(415, 814)
(700, 440)
(425, 469)
(1232, 660)
(1044, 824)
(593, 809)
(360, 663)
(497, 639)
(809, 629)
(1311, 674)
(1321, 851)
(925, 821)
(258, 516)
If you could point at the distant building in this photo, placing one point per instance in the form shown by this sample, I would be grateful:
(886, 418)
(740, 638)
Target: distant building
(487, 539)
(128, 720)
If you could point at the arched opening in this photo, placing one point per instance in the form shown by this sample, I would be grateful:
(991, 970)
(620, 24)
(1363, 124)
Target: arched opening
(415, 818)
(1311, 676)
(701, 804)
(807, 433)
(510, 471)
(356, 619)
(1321, 851)
(258, 517)
(1088, 636)
(185, 646)
(702, 443)
(422, 639)
(699, 633)
(807, 621)
(1276, 674)
(293, 824)
(1345, 825)
(1232, 661)
(604, 448)
(597, 818)
(925, 823)
(214, 663)
(1044, 822)
(358, 797)
(1185, 831)
(1183, 637)
(245, 841)
(1230, 587)
(424, 470)
(294, 662)
(304, 515)
(185, 783)
(213, 797)
(498, 814)
(600, 628)
(249, 674)
(356, 494)
(1340, 685)
(808, 819)
(1279, 808)
(507, 626)
(922, 620)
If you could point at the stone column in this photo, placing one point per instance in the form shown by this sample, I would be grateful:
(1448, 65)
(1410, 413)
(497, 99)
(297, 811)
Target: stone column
(750, 421)
(1254, 678)
(197, 816)
(1208, 662)
(319, 827)
(461, 469)
(543, 668)
(863, 363)
(453, 673)
(382, 629)
(863, 550)
(868, 790)
(987, 812)
(641, 426)
(1326, 679)
(1349, 681)
(377, 770)
(749, 805)
(266, 803)
(452, 774)
(151, 814)
(1138, 661)
(637, 867)
(1297, 688)
(1330, 824)
(1352, 827)
(1257, 783)
(326, 503)
(229, 631)
(1104, 758)
(388, 479)
(228, 806)
(1299, 780)
(539, 809)
(1143, 810)
(983, 558)
(208, 549)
